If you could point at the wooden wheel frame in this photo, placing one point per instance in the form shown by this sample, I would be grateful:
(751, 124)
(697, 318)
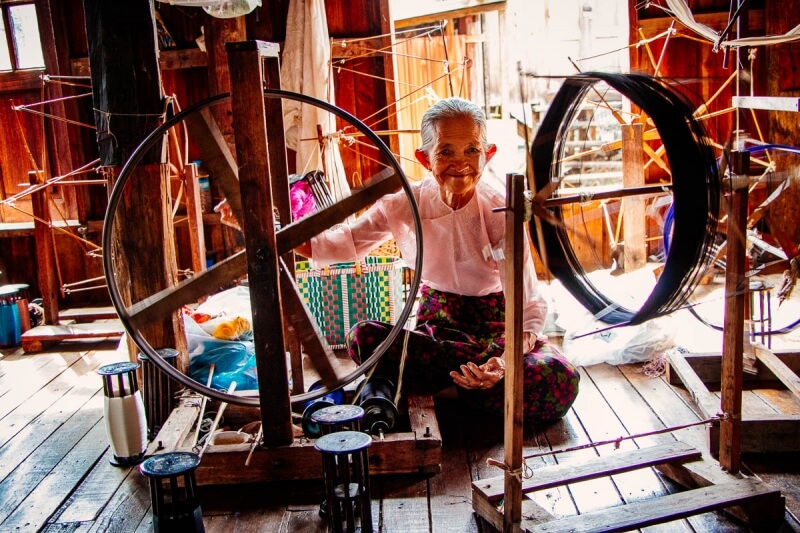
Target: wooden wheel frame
(161, 305)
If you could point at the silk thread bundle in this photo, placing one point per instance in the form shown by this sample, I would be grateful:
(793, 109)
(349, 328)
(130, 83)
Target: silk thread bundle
(696, 193)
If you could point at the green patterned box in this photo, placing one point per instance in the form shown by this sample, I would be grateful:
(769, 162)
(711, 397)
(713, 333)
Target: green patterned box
(345, 293)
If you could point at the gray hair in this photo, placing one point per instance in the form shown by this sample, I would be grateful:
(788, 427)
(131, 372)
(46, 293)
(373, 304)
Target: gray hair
(445, 110)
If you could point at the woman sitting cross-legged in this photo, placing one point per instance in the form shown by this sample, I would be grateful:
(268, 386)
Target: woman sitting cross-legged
(459, 336)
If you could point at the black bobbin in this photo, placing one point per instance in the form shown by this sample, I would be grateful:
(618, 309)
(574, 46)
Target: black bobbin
(159, 390)
(346, 468)
(173, 492)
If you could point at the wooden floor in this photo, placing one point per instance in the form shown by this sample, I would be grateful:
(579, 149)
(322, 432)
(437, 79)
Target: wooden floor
(55, 473)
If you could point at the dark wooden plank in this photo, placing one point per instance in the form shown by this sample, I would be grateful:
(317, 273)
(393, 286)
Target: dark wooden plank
(128, 509)
(89, 499)
(672, 507)
(623, 461)
(247, 99)
(49, 407)
(785, 374)
(449, 491)
(27, 476)
(404, 503)
(60, 482)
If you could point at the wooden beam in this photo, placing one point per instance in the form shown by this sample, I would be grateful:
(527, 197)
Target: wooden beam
(514, 373)
(633, 208)
(717, 21)
(45, 249)
(409, 14)
(246, 63)
(167, 60)
(736, 287)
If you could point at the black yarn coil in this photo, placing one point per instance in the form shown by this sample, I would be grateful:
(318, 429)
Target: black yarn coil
(695, 188)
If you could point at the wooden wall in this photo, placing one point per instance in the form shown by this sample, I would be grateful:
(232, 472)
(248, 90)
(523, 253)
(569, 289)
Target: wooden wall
(692, 62)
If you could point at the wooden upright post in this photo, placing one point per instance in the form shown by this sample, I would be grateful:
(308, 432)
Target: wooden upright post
(45, 250)
(633, 208)
(514, 252)
(128, 103)
(246, 61)
(736, 287)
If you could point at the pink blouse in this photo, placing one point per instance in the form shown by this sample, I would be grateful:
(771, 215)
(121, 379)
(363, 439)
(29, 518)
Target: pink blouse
(462, 249)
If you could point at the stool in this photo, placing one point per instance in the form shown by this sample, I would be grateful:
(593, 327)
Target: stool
(123, 410)
(346, 468)
(159, 390)
(336, 418)
(173, 492)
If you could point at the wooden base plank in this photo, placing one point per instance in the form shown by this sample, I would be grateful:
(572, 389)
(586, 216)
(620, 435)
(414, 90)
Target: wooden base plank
(415, 451)
(543, 478)
(88, 314)
(760, 432)
(747, 492)
(36, 339)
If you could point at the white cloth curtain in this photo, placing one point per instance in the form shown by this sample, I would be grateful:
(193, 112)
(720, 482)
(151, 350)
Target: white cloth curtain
(306, 69)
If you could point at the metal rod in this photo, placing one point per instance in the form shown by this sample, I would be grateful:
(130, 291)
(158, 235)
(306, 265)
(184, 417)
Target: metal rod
(606, 195)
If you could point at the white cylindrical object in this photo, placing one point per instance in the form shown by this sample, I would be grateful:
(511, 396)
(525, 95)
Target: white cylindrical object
(126, 426)
(125, 420)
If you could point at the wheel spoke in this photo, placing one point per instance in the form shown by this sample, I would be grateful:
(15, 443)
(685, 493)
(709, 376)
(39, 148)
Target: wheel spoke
(189, 290)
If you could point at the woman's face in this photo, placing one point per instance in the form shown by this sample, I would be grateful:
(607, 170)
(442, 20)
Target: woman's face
(456, 157)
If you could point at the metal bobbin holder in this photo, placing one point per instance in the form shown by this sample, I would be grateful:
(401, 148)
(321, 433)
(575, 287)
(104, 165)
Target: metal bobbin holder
(123, 410)
(337, 418)
(346, 468)
(159, 390)
(311, 428)
(173, 492)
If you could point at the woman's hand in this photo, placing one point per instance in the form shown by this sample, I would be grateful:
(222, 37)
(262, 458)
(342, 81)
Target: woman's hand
(483, 377)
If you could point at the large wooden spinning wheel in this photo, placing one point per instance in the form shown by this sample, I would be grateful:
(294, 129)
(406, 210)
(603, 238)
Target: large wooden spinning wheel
(259, 201)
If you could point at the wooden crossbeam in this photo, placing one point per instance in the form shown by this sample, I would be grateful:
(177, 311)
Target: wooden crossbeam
(748, 492)
(554, 476)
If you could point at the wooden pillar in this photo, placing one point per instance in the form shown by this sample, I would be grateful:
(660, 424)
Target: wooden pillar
(633, 207)
(45, 250)
(736, 287)
(514, 252)
(194, 218)
(247, 78)
(129, 104)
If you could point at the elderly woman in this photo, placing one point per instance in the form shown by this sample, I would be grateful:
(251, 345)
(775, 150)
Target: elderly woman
(460, 327)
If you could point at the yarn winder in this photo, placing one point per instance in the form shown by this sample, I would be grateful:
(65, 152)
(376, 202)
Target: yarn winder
(263, 188)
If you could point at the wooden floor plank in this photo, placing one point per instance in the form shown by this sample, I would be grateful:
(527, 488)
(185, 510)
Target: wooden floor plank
(664, 509)
(595, 493)
(60, 482)
(28, 475)
(81, 381)
(34, 437)
(94, 492)
(639, 417)
(129, 507)
(21, 389)
(450, 492)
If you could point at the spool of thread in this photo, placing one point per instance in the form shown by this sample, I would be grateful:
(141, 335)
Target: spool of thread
(311, 428)
(10, 326)
(380, 412)
(126, 425)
